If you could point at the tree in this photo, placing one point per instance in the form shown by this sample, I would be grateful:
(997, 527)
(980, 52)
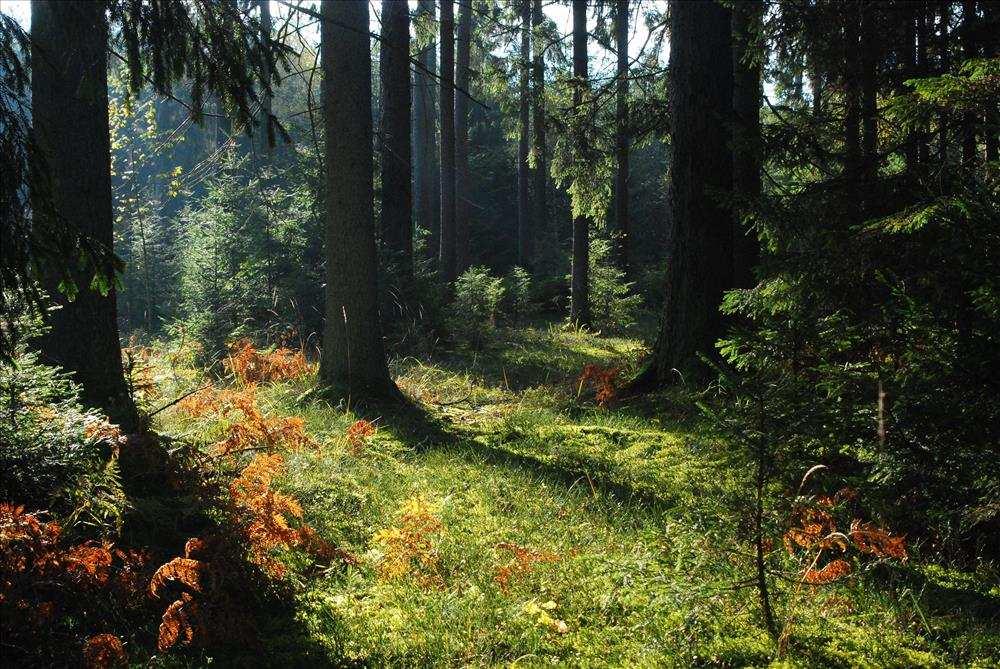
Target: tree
(621, 138)
(699, 257)
(540, 172)
(579, 313)
(353, 357)
(524, 230)
(394, 69)
(463, 74)
(447, 255)
(746, 133)
(425, 179)
(69, 88)
(267, 137)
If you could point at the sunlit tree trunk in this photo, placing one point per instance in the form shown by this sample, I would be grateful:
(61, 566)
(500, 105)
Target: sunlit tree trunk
(579, 313)
(353, 358)
(746, 134)
(700, 253)
(463, 77)
(622, 138)
(524, 229)
(397, 234)
(69, 89)
(447, 254)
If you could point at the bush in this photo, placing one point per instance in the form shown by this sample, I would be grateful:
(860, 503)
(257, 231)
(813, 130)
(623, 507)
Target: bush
(478, 296)
(517, 288)
(612, 306)
(55, 454)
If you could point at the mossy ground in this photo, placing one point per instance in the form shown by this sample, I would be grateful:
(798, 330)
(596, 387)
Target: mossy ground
(639, 517)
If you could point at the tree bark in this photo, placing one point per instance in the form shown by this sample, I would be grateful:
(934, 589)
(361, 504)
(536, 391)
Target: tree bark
(353, 357)
(869, 79)
(700, 253)
(397, 228)
(463, 76)
(447, 255)
(579, 313)
(541, 170)
(425, 137)
(969, 50)
(852, 94)
(945, 64)
(746, 141)
(524, 231)
(267, 136)
(69, 89)
(622, 139)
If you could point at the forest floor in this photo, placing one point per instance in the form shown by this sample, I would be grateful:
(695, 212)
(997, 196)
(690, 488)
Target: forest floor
(510, 520)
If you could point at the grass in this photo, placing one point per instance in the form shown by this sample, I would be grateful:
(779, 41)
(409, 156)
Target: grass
(630, 523)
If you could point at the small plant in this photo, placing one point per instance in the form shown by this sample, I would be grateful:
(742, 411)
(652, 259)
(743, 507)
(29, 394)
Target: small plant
(521, 563)
(478, 296)
(408, 549)
(251, 366)
(518, 290)
(603, 380)
(358, 435)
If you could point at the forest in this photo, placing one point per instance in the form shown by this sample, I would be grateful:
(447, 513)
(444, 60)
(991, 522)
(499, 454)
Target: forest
(440, 333)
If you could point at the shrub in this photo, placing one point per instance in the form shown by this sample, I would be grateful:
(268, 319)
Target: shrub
(612, 304)
(477, 302)
(517, 287)
(54, 453)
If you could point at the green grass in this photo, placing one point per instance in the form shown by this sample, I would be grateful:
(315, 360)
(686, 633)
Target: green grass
(637, 503)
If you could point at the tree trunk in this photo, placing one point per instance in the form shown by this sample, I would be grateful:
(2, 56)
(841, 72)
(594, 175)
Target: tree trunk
(425, 136)
(869, 78)
(923, 149)
(852, 94)
(69, 89)
(397, 233)
(524, 231)
(746, 142)
(622, 138)
(353, 358)
(991, 17)
(463, 76)
(969, 50)
(945, 64)
(447, 255)
(541, 169)
(700, 254)
(579, 313)
(267, 136)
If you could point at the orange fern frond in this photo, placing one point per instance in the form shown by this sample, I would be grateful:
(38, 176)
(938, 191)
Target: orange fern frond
(185, 571)
(833, 571)
(103, 651)
(877, 542)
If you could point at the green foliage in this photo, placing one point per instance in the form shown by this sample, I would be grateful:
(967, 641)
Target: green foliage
(478, 297)
(250, 264)
(614, 305)
(517, 290)
(54, 453)
(870, 335)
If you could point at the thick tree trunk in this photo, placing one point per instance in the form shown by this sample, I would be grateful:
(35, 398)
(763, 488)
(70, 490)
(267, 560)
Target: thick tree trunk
(991, 17)
(524, 230)
(622, 138)
(69, 89)
(397, 232)
(353, 358)
(463, 76)
(746, 135)
(541, 170)
(852, 94)
(447, 254)
(579, 312)
(425, 137)
(700, 257)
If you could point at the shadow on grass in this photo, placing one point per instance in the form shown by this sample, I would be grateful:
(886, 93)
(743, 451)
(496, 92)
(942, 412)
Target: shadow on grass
(172, 499)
